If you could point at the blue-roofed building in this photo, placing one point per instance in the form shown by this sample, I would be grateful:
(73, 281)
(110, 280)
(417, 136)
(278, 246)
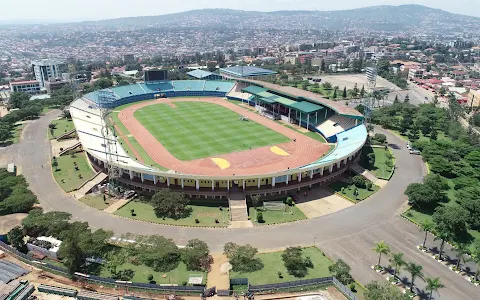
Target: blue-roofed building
(204, 75)
(249, 72)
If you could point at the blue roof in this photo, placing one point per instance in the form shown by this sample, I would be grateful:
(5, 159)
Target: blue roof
(200, 74)
(247, 71)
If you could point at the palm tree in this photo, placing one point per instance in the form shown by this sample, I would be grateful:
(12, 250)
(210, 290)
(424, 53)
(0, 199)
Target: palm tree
(415, 271)
(397, 261)
(433, 284)
(381, 248)
(443, 236)
(461, 249)
(426, 226)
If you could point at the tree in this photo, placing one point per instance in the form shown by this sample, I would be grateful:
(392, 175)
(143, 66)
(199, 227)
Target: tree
(16, 238)
(170, 204)
(381, 248)
(415, 271)
(462, 250)
(294, 262)
(397, 261)
(334, 96)
(362, 91)
(124, 275)
(359, 181)
(422, 196)
(396, 100)
(195, 254)
(322, 66)
(51, 223)
(407, 99)
(255, 202)
(114, 259)
(383, 291)
(19, 99)
(433, 285)
(469, 199)
(344, 94)
(242, 257)
(433, 135)
(475, 253)
(55, 165)
(327, 85)
(73, 257)
(371, 159)
(157, 252)
(260, 217)
(426, 226)
(5, 133)
(341, 271)
(450, 224)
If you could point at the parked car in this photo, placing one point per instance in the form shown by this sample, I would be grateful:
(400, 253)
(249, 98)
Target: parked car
(409, 146)
(415, 151)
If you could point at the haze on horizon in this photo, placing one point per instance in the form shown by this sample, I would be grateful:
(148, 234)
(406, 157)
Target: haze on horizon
(72, 11)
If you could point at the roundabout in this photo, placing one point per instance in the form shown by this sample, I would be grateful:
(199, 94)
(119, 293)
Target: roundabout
(349, 234)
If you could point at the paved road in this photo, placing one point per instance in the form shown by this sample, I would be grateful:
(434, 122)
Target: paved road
(349, 234)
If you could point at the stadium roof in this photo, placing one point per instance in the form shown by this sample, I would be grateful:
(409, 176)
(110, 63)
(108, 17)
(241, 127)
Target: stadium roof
(200, 74)
(306, 107)
(247, 71)
(253, 89)
(303, 95)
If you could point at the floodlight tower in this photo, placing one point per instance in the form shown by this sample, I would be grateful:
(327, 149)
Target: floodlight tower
(369, 101)
(106, 100)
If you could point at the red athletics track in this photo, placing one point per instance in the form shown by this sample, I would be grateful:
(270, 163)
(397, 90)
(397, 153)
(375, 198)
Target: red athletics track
(248, 162)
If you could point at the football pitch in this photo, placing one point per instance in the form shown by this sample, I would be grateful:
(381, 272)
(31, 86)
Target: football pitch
(193, 130)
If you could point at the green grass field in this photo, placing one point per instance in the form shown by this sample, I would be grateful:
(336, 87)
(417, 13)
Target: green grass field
(61, 126)
(136, 146)
(16, 133)
(96, 201)
(206, 214)
(66, 176)
(349, 189)
(273, 264)
(380, 169)
(176, 276)
(195, 130)
(276, 217)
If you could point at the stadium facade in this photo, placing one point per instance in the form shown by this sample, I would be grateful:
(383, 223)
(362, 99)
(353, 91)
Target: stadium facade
(340, 125)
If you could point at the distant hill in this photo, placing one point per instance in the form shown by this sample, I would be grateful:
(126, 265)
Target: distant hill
(412, 18)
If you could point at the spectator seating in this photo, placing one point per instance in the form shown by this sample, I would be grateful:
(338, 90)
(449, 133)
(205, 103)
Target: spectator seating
(335, 124)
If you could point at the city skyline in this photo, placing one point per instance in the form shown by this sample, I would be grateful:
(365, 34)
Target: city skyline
(38, 12)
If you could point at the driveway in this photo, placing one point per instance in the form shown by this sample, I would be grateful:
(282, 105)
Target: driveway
(349, 234)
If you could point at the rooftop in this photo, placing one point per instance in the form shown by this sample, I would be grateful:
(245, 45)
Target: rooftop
(247, 71)
(200, 74)
(24, 82)
(307, 95)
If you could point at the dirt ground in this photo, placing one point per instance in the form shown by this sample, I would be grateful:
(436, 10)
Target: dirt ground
(349, 81)
(218, 276)
(320, 202)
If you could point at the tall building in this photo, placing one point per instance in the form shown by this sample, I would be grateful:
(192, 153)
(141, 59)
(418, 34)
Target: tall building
(30, 86)
(128, 58)
(47, 69)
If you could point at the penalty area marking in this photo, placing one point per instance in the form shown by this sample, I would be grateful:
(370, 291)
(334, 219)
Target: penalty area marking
(221, 163)
(279, 151)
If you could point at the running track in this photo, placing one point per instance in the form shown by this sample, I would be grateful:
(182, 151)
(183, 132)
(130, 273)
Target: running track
(262, 161)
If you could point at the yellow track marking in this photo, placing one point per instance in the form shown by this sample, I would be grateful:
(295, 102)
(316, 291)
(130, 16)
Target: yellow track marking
(279, 151)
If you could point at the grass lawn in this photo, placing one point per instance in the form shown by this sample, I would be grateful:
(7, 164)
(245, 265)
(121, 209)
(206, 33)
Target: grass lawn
(196, 130)
(206, 214)
(275, 216)
(96, 201)
(176, 276)
(66, 176)
(362, 193)
(273, 263)
(16, 133)
(380, 169)
(61, 126)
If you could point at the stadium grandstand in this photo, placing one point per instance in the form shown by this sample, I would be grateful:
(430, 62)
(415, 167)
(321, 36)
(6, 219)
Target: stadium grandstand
(339, 124)
(204, 75)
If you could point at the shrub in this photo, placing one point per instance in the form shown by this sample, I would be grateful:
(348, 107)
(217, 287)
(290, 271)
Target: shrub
(260, 217)
(369, 185)
(150, 277)
(343, 190)
(216, 221)
(353, 287)
(197, 221)
(359, 181)
(280, 275)
(289, 201)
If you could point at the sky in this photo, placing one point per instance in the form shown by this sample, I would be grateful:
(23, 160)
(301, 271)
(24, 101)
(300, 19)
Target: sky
(75, 10)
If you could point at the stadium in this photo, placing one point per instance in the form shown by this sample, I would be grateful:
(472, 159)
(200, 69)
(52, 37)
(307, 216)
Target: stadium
(217, 138)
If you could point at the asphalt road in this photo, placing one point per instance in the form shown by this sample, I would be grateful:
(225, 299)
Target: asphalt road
(349, 234)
